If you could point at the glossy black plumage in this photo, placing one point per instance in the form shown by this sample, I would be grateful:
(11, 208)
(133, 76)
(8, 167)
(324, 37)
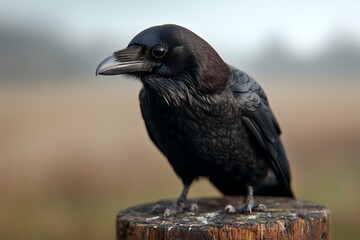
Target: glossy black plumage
(209, 119)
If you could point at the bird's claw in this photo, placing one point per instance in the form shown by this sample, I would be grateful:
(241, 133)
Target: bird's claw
(246, 208)
(260, 208)
(243, 209)
(193, 207)
(169, 211)
(158, 208)
(230, 209)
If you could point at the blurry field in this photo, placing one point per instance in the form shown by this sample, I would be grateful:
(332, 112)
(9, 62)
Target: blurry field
(72, 156)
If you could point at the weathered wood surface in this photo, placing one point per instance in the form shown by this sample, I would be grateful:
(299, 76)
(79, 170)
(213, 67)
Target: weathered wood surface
(285, 218)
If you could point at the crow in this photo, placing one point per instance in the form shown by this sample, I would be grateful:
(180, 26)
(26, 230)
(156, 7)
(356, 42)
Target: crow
(208, 118)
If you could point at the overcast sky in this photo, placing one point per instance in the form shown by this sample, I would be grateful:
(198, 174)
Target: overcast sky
(303, 26)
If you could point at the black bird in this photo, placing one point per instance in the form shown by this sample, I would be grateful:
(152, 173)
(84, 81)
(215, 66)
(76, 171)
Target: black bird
(208, 118)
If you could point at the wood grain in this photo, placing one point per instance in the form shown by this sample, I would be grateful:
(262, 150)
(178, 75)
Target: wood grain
(285, 218)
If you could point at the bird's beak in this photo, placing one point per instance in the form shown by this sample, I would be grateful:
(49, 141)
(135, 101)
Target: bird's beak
(123, 62)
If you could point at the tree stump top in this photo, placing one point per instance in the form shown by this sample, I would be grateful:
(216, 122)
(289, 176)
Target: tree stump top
(285, 218)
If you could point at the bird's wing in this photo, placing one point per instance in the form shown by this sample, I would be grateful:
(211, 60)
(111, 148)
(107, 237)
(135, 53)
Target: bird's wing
(260, 120)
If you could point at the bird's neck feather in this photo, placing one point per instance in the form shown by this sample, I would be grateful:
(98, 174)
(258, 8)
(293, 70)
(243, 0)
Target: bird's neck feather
(182, 91)
(213, 73)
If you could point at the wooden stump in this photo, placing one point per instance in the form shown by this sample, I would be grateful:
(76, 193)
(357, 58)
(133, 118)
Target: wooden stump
(285, 218)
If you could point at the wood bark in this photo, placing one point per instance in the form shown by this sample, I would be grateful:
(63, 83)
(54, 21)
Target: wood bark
(285, 218)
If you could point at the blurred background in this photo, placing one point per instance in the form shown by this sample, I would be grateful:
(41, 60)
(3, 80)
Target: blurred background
(73, 147)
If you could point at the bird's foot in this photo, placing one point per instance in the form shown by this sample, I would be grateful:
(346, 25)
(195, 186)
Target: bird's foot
(249, 205)
(246, 208)
(179, 206)
(174, 209)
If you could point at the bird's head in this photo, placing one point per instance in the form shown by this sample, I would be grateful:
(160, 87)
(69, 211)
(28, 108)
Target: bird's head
(169, 55)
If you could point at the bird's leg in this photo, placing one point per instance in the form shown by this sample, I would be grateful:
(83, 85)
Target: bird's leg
(179, 206)
(249, 204)
(180, 202)
(249, 200)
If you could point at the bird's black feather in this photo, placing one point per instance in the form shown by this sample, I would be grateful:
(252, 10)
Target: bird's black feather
(261, 122)
(209, 119)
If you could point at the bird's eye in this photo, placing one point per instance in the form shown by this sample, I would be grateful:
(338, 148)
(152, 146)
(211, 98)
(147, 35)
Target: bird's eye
(158, 51)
